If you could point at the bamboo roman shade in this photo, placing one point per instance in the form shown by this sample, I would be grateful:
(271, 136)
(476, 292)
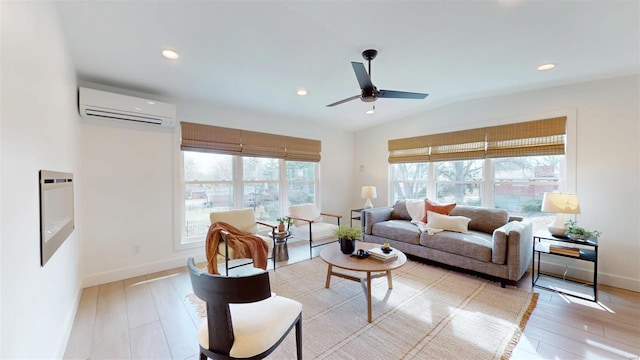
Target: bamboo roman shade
(533, 138)
(539, 137)
(220, 140)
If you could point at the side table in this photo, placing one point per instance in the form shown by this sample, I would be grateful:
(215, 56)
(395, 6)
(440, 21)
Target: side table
(280, 251)
(355, 215)
(587, 250)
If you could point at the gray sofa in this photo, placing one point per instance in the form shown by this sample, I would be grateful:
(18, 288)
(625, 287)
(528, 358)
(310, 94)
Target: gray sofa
(496, 245)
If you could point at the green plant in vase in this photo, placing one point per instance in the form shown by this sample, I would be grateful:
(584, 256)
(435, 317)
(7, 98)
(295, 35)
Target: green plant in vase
(281, 221)
(347, 237)
(578, 233)
(348, 233)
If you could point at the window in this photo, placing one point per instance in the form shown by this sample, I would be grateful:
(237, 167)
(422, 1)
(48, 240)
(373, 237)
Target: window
(219, 182)
(514, 184)
(208, 186)
(409, 180)
(506, 166)
(459, 182)
(301, 182)
(519, 184)
(261, 186)
(226, 168)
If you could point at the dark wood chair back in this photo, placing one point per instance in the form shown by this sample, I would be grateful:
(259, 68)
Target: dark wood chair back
(218, 292)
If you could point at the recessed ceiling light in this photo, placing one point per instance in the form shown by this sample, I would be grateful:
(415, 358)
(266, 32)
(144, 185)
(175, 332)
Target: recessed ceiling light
(545, 67)
(150, 102)
(170, 54)
(302, 92)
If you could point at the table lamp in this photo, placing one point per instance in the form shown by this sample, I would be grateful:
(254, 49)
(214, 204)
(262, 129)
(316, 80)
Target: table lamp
(368, 192)
(560, 203)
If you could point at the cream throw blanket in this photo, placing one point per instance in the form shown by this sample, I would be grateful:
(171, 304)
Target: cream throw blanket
(416, 209)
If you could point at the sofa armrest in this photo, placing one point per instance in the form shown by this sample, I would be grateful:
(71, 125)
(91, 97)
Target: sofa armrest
(519, 248)
(374, 215)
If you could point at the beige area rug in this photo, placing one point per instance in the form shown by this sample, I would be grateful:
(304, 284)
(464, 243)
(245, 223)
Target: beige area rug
(431, 313)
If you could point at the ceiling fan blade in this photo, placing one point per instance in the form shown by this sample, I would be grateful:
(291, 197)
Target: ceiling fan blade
(391, 94)
(361, 73)
(344, 100)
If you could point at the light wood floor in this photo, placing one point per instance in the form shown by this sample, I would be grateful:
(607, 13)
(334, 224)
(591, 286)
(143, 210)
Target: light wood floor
(149, 317)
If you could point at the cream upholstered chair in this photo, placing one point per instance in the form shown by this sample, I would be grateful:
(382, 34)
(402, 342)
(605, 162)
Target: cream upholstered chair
(244, 319)
(308, 224)
(245, 220)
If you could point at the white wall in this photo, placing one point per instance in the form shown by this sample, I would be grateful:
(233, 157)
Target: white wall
(129, 185)
(608, 157)
(40, 129)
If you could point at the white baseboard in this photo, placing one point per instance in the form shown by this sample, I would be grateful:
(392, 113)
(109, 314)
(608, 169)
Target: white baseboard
(148, 268)
(65, 332)
(587, 275)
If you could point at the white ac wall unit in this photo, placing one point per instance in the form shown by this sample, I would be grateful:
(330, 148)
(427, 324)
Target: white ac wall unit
(107, 105)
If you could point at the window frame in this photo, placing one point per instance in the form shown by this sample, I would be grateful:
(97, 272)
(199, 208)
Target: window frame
(180, 241)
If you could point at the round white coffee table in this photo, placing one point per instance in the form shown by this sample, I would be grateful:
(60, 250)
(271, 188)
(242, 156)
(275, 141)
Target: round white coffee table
(332, 255)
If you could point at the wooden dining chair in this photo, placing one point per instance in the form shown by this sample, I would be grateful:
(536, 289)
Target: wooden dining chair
(244, 319)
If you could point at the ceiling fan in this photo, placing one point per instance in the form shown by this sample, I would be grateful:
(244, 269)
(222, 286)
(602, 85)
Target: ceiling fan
(369, 92)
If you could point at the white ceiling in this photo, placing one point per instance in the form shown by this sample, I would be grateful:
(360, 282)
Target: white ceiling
(256, 55)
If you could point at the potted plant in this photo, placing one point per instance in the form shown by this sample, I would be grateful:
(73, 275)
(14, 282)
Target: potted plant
(577, 233)
(282, 221)
(347, 237)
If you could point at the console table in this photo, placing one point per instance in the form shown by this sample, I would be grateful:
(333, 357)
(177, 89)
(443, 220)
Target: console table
(588, 251)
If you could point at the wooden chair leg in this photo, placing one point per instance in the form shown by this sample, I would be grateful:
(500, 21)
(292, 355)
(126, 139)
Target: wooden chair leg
(299, 338)
(203, 356)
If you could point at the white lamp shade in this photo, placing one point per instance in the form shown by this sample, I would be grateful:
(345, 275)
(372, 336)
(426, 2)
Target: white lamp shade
(560, 203)
(368, 192)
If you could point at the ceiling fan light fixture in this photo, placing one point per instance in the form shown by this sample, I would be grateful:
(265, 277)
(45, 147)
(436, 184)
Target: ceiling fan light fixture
(372, 110)
(545, 67)
(170, 54)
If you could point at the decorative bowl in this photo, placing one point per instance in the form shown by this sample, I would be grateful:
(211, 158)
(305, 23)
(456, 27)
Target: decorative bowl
(386, 250)
(577, 237)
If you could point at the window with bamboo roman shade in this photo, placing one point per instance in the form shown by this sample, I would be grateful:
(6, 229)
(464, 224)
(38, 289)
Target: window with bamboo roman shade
(532, 138)
(207, 138)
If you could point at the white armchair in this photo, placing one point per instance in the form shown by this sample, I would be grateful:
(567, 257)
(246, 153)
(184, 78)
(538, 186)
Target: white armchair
(245, 220)
(308, 224)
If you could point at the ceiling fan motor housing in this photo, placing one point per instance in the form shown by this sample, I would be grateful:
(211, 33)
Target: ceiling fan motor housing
(369, 94)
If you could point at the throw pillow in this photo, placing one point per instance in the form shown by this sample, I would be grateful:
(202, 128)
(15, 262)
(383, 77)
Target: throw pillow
(445, 222)
(399, 211)
(444, 209)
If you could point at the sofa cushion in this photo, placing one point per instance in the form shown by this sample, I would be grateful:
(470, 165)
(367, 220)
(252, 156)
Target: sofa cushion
(483, 219)
(399, 211)
(444, 209)
(446, 222)
(474, 245)
(399, 230)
